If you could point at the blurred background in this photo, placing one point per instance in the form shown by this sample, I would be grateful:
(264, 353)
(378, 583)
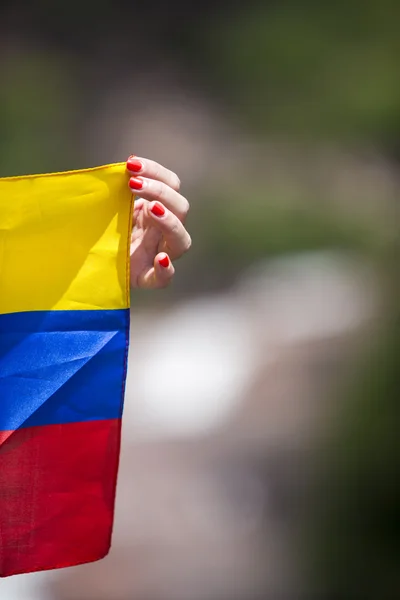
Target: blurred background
(260, 455)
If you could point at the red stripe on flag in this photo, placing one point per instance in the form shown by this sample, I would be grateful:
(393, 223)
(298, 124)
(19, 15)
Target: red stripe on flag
(4, 435)
(57, 490)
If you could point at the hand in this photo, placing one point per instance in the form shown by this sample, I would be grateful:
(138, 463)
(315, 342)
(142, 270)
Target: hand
(158, 235)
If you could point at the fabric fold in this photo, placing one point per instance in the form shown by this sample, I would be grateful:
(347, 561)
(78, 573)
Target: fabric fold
(52, 360)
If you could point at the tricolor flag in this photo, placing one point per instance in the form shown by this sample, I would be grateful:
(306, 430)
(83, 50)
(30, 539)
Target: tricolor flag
(64, 324)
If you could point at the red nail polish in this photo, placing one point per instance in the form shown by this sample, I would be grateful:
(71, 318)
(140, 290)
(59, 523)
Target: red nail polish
(134, 164)
(164, 262)
(157, 209)
(135, 183)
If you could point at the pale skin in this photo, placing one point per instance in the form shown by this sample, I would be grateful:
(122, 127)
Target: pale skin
(158, 236)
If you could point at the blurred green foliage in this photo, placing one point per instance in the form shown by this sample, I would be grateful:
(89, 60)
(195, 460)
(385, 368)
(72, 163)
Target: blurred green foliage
(313, 68)
(37, 110)
(356, 549)
(308, 69)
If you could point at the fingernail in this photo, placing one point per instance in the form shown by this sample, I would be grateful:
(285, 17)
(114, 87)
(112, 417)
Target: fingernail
(134, 164)
(164, 262)
(157, 209)
(136, 183)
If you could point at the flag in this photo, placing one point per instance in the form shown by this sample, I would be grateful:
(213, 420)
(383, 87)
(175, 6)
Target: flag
(64, 329)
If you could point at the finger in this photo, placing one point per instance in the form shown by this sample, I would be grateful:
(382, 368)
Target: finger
(153, 170)
(176, 238)
(160, 275)
(163, 270)
(151, 190)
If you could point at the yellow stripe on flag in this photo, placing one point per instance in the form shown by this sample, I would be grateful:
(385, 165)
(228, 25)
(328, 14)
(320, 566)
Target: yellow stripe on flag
(64, 241)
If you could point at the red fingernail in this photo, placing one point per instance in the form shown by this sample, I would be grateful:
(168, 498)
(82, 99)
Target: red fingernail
(164, 262)
(135, 183)
(134, 164)
(157, 209)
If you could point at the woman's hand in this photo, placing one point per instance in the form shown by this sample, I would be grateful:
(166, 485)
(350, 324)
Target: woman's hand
(158, 236)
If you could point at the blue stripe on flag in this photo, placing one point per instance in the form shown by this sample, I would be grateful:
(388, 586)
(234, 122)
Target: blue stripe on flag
(62, 366)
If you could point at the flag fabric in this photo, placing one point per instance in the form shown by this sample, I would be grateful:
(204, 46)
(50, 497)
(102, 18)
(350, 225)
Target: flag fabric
(64, 330)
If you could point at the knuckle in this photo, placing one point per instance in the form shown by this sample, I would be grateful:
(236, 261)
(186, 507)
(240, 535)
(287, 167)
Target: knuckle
(165, 282)
(188, 243)
(176, 182)
(185, 207)
(175, 229)
(159, 191)
(156, 171)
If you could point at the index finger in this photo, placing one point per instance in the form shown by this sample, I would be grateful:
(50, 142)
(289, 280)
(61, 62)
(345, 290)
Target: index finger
(153, 170)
